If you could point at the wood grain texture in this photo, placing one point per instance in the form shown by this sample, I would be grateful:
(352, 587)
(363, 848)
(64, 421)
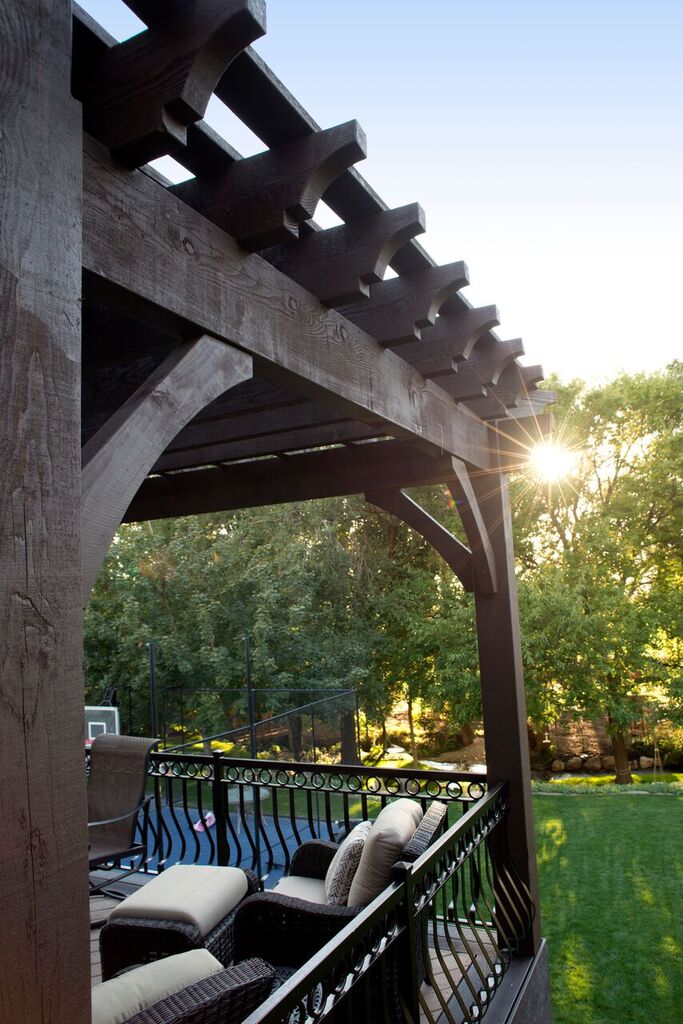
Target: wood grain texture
(44, 948)
(450, 341)
(340, 264)
(454, 553)
(502, 688)
(396, 309)
(147, 248)
(515, 383)
(141, 94)
(327, 474)
(261, 200)
(483, 561)
(119, 456)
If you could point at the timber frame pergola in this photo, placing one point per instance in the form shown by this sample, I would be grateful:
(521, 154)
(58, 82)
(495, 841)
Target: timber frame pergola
(204, 347)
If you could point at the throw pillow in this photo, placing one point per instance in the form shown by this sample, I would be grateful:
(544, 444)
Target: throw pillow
(394, 826)
(344, 864)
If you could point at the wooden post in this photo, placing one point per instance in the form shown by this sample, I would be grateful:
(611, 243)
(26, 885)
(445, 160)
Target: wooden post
(44, 940)
(502, 687)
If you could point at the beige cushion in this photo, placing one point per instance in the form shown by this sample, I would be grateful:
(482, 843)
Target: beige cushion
(196, 894)
(344, 864)
(311, 889)
(393, 827)
(115, 1001)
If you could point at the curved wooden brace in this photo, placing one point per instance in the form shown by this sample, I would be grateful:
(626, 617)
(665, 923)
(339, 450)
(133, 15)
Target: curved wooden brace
(483, 559)
(140, 96)
(455, 553)
(513, 385)
(262, 199)
(340, 264)
(117, 458)
(397, 309)
(450, 340)
(483, 370)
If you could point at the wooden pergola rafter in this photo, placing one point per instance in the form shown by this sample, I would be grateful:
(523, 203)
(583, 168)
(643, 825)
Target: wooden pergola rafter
(233, 354)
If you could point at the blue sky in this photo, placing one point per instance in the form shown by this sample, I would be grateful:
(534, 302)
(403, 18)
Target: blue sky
(543, 139)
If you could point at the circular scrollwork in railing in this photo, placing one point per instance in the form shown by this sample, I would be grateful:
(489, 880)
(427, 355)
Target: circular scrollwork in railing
(299, 779)
(433, 788)
(392, 786)
(317, 780)
(412, 787)
(373, 784)
(265, 776)
(354, 783)
(454, 790)
(282, 777)
(335, 782)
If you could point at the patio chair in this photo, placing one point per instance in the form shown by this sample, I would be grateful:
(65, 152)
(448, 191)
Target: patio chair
(116, 796)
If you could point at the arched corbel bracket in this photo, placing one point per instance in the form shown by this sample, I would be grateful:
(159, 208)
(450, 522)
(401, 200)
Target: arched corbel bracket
(117, 458)
(143, 93)
(397, 309)
(456, 554)
(485, 367)
(262, 199)
(450, 341)
(483, 559)
(340, 264)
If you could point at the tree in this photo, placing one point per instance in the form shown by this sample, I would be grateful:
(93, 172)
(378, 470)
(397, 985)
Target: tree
(600, 557)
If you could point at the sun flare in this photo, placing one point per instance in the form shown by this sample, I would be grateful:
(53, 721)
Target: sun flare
(552, 462)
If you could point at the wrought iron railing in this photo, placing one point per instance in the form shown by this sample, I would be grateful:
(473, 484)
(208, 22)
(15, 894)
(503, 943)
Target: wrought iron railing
(433, 947)
(253, 814)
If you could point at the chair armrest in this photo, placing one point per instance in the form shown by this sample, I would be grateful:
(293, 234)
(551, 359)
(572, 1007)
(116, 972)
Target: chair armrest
(223, 998)
(284, 929)
(313, 858)
(122, 817)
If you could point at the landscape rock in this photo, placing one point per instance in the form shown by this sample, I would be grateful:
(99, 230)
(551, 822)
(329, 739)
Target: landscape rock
(592, 764)
(608, 762)
(557, 766)
(574, 764)
(647, 762)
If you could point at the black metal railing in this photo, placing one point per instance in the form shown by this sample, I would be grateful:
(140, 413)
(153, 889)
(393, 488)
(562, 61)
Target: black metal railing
(433, 947)
(211, 809)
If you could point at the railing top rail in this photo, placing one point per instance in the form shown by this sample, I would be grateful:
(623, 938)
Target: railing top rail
(259, 766)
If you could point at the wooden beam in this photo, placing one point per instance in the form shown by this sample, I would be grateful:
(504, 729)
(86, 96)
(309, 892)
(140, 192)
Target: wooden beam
(396, 309)
(327, 474)
(261, 200)
(483, 561)
(454, 553)
(193, 272)
(450, 340)
(483, 368)
(44, 946)
(143, 93)
(119, 456)
(340, 264)
(514, 384)
(502, 691)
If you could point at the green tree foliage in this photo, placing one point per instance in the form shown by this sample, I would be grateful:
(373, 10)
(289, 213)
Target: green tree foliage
(600, 557)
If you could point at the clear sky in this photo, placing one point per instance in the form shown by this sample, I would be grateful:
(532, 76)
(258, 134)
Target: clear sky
(544, 138)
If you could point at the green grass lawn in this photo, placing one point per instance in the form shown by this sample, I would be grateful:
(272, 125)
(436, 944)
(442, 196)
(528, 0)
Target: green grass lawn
(611, 879)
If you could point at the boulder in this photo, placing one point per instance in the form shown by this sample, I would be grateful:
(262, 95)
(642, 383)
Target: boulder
(608, 763)
(592, 764)
(557, 766)
(646, 762)
(574, 764)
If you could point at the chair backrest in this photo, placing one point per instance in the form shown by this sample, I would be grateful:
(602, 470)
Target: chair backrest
(430, 827)
(116, 785)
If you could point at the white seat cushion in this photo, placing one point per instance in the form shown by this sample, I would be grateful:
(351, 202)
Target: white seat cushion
(344, 864)
(115, 1001)
(311, 889)
(196, 894)
(393, 827)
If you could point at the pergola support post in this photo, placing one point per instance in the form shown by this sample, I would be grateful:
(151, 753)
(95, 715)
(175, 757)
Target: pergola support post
(502, 689)
(44, 940)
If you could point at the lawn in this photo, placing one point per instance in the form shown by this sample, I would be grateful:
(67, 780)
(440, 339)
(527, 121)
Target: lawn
(611, 879)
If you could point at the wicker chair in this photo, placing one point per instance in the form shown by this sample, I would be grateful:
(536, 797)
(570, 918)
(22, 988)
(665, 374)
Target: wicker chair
(116, 796)
(223, 998)
(288, 931)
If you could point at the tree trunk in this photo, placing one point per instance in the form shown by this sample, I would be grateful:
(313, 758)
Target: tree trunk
(385, 741)
(295, 737)
(621, 762)
(411, 727)
(347, 729)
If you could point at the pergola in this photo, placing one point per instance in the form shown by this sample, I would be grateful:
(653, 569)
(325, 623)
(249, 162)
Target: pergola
(175, 349)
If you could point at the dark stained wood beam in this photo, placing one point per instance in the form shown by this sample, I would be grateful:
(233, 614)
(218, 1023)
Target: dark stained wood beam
(484, 367)
(338, 471)
(44, 946)
(262, 200)
(516, 436)
(450, 341)
(514, 384)
(396, 309)
(454, 553)
(340, 264)
(141, 94)
(198, 276)
(483, 561)
(119, 456)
